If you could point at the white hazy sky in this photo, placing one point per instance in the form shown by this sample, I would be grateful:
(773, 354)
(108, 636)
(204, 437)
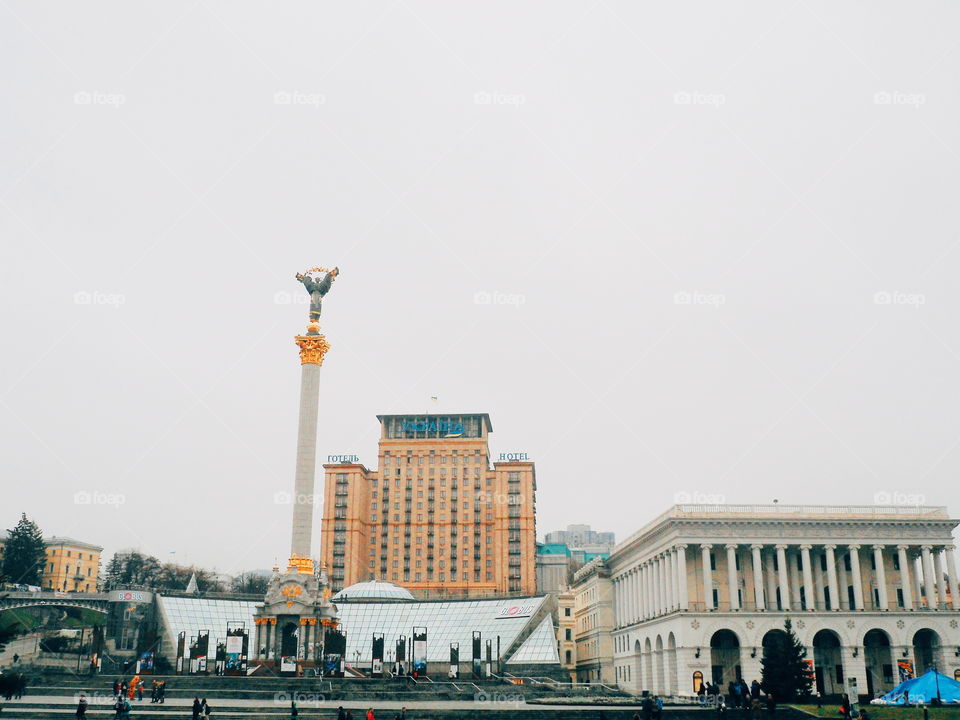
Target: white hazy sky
(720, 241)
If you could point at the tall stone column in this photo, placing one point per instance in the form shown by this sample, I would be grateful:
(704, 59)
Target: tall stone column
(668, 580)
(941, 571)
(675, 578)
(917, 569)
(905, 576)
(856, 576)
(758, 576)
(809, 594)
(952, 576)
(832, 577)
(928, 581)
(657, 587)
(707, 576)
(881, 577)
(782, 573)
(312, 350)
(733, 579)
(682, 597)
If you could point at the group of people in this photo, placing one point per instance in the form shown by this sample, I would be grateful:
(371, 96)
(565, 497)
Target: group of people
(348, 715)
(13, 685)
(201, 709)
(740, 696)
(158, 691)
(650, 709)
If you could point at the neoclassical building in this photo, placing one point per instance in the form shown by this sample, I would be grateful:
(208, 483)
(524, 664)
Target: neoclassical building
(871, 591)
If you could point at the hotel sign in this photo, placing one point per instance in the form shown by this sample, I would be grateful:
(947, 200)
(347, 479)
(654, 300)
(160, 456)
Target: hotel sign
(343, 459)
(449, 427)
(515, 611)
(514, 456)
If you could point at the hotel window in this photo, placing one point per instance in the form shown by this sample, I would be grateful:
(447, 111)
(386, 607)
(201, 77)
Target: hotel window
(386, 459)
(373, 506)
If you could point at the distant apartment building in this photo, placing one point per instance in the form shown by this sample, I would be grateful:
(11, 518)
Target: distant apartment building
(583, 537)
(436, 517)
(566, 551)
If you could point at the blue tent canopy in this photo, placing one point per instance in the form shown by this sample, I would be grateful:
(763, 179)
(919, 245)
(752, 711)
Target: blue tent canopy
(923, 689)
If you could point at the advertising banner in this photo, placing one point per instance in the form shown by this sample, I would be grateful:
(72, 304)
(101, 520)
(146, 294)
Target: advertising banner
(376, 664)
(419, 651)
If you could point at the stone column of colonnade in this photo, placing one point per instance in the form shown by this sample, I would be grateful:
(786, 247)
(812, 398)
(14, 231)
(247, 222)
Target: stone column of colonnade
(653, 587)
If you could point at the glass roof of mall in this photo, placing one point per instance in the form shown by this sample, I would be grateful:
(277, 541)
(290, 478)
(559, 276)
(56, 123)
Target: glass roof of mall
(190, 615)
(446, 622)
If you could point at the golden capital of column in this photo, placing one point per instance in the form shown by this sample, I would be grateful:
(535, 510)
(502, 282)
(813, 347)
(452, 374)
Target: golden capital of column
(312, 348)
(302, 565)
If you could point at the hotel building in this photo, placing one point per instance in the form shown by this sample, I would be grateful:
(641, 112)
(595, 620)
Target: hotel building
(697, 593)
(437, 517)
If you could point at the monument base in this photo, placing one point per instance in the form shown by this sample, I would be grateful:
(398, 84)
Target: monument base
(291, 622)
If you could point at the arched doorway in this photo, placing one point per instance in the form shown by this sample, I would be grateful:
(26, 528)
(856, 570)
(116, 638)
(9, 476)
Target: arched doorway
(827, 663)
(926, 651)
(647, 666)
(659, 661)
(878, 658)
(724, 658)
(671, 665)
(637, 666)
(697, 682)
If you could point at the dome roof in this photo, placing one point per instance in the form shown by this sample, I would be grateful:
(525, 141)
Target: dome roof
(374, 591)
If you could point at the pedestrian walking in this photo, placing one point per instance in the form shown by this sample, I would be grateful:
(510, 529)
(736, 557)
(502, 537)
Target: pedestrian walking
(370, 714)
(82, 707)
(341, 715)
(207, 710)
(196, 708)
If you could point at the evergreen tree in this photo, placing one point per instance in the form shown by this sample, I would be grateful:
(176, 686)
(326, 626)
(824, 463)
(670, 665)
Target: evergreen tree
(24, 554)
(784, 669)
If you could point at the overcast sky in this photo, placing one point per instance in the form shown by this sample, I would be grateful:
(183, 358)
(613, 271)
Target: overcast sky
(689, 247)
